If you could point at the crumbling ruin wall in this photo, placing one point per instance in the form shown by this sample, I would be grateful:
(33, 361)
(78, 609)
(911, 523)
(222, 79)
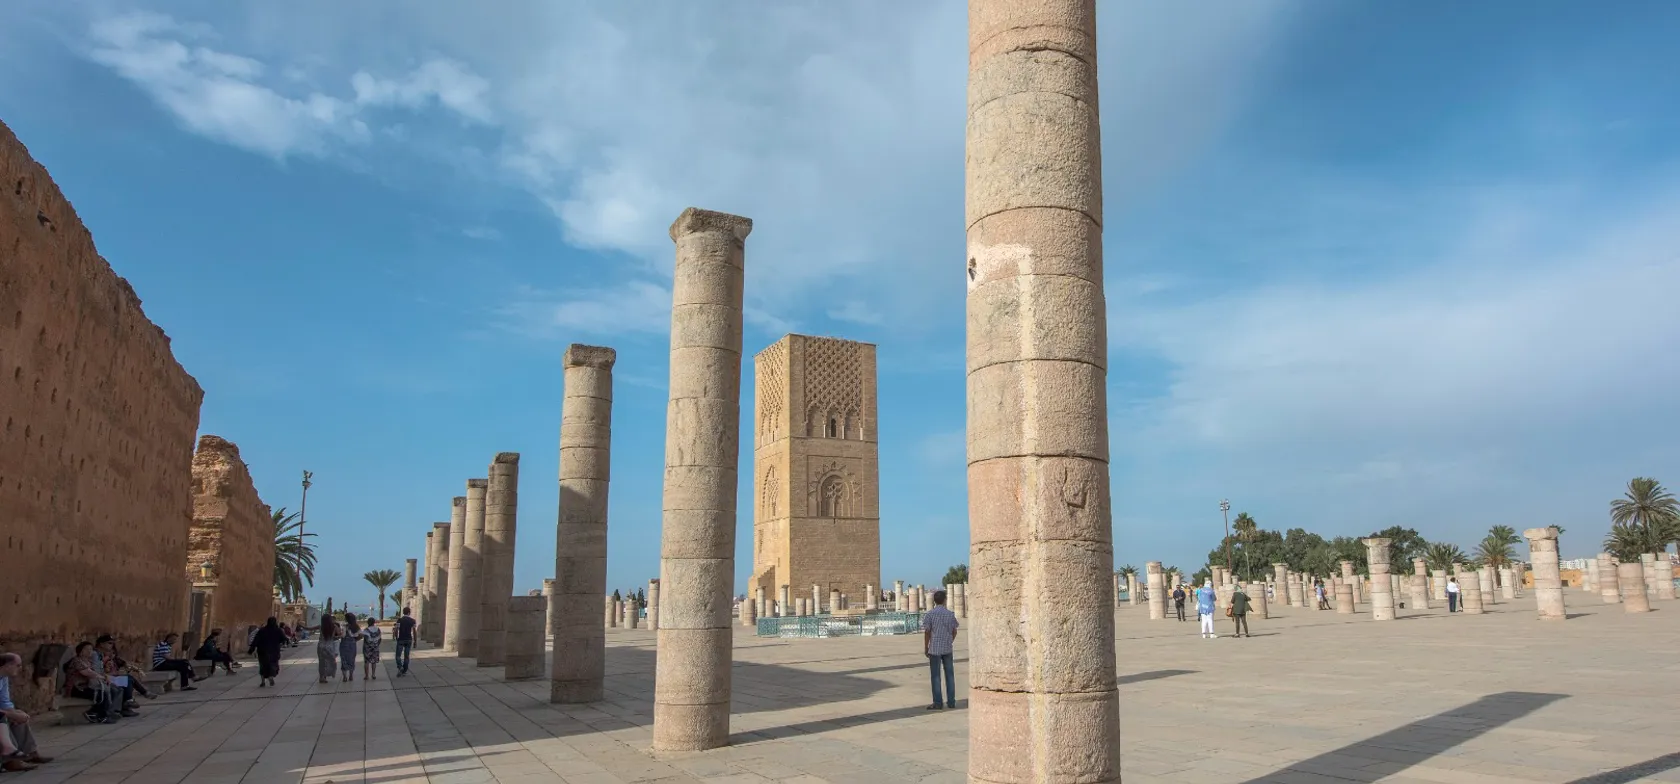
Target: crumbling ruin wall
(233, 531)
(96, 437)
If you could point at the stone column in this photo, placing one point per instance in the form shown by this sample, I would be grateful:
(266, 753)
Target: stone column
(1609, 591)
(1631, 576)
(452, 568)
(1297, 591)
(913, 601)
(1344, 598)
(898, 596)
(610, 610)
(702, 461)
(1589, 576)
(1419, 587)
(1438, 587)
(1042, 681)
(1518, 574)
(1548, 581)
(816, 599)
(1259, 605)
(1349, 578)
(501, 526)
(1664, 569)
(834, 601)
(871, 598)
(1132, 589)
(1280, 577)
(962, 600)
(1382, 591)
(802, 606)
(410, 566)
(1470, 596)
(467, 598)
(527, 629)
(425, 585)
(783, 607)
(438, 578)
(632, 613)
(1177, 580)
(1484, 581)
(1507, 586)
(548, 595)
(653, 605)
(1157, 583)
(577, 664)
(749, 614)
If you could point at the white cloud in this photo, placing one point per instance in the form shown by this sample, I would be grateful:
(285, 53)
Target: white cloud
(857, 313)
(226, 97)
(634, 307)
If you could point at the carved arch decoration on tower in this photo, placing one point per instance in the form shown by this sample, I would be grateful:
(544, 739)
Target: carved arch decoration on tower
(772, 491)
(834, 491)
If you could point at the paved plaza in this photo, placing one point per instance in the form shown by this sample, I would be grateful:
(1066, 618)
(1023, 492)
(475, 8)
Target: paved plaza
(1312, 697)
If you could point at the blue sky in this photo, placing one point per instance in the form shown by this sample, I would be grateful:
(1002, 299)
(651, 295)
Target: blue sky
(1367, 264)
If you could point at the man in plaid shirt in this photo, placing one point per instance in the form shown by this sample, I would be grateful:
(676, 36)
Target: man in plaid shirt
(939, 628)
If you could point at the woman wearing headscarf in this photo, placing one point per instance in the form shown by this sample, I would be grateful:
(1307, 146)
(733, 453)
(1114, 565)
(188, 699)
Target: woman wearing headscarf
(326, 648)
(266, 644)
(371, 638)
(347, 647)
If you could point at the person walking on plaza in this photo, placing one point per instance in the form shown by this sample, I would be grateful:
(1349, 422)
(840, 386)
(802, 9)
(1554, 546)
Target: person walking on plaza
(1239, 612)
(1452, 594)
(266, 644)
(347, 645)
(405, 641)
(1323, 596)
(326, 648)
(371, 637)
(939, 630)
(1204, 609)
(15, 724)
(1178, 601)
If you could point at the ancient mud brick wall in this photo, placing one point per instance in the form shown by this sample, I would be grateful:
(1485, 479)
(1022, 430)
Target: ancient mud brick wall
(97, 422)
(232, 530)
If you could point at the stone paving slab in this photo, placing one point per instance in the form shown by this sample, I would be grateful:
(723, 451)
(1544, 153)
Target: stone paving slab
(1314, 697)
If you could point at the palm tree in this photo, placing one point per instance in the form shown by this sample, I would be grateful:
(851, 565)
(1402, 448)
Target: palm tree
(1504, 534)
(1245, 529)
(956, 575)
(381, 580)
(294, 558)
(1648, 505)
(1442, 556)
(1493, 551)
(397, 600)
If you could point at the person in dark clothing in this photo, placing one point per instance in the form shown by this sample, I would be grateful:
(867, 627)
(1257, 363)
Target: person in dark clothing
(212, 652)
(266, 645)
(1239, 611)
(1178, 601)
(405, 641)
(163, 659)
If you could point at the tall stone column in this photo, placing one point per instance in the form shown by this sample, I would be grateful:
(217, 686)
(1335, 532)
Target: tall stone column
(915, 603)
(1350, 580)
(871, 598)
(1438, 588)
(468, 596)
(962, 600)
(1419, 587)
(453, 566)
(749, 616)
(1042, 679)
(1280, 577)
(610, 613)
(834, 600)
(577, 665)
(1609, 590)
(1259, 604)
(898, 596)
(1132, 589)
(501, 527)
(1382, 590)
(816, 599)
(702, 459)
(527, 622)
(548, 596)
(1548, 580)
(1484, 581)
(1635, 592)
(1156, 580)
(410, 566)
(1344, 598)
(1296, 591)
(438, 578)
(784, 602)
(425, 586)
(1507, 584)
(653, 605)
(1664, 579)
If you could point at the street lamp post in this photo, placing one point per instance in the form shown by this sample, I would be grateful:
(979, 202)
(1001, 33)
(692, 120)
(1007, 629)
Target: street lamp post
(303, 507)
(1225, 512)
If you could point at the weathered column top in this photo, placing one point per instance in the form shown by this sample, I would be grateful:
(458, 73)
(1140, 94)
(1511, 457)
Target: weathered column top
(580, 355)
(1549, 532)
(472, 483)
(697, 221)
(459, 500)
(505, 457)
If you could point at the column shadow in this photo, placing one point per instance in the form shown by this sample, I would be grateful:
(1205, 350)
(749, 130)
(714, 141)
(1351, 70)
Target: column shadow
(1384, 755)
(1634, 772)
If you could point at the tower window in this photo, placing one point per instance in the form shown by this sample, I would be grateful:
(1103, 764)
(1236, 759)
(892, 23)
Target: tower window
(833, 428)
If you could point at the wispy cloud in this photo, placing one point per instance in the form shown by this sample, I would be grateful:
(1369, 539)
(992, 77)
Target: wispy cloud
(481, 233)
(636, 307)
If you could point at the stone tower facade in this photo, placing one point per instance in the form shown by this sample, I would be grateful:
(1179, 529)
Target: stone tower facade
(816, 468)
